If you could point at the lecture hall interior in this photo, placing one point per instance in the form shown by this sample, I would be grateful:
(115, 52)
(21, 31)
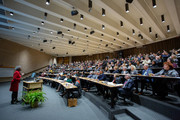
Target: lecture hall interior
(89, 59)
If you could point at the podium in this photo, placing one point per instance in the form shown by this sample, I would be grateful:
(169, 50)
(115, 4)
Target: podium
(31, 86)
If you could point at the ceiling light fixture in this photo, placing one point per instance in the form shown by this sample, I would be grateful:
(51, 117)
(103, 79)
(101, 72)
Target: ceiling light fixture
(81, 17)
(121, 23)
(156, 35)
(103, 12)
(42, 23)
(85, 29)
(162, 18)
(141, 21)
(154, 3)
(45, 15)
(133, 31)
(117, 33)
(47, 2)
(127, 38)
(103, 27)
(74, 25)
(102, 35)
(168, 28)
(61, 20)
(90, 5)
(127, 7)
(11, 13)
(150, 30)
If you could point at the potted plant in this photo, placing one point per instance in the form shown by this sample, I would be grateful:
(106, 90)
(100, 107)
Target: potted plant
(34, 97)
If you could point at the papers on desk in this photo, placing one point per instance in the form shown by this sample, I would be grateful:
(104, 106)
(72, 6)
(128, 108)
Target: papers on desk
(111, 83)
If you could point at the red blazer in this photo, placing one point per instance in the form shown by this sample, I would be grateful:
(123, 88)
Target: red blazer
(15, 82)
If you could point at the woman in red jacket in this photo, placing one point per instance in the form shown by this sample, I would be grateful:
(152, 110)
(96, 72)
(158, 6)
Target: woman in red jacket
(15, 84)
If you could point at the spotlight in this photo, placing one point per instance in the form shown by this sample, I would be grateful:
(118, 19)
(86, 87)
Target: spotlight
(87, 36)
(38, 29)
(61, 20)
(117, 33)
(127, 7)
(121, 23)
(92, 32)
(106, 45)
(44, 41)
(103, 12)
(123, 43)
(102, 35)
(133, 31)
(68, 30)
(51, 32)
(85, 28)
(53, 47)
(103, 27)
(156, 35)
(150, 30)
(154, 3)
(168, 28)
(74, 25)
(100, 40)
(141, 21)
(90, 5)
(129, 1)
(11, 13)
(162, 18)
(59, 32)
(70, 42)
(42, 23)
(74, 12)
(47, 2)
(81, 17)
(127, 38)
(114, 39)
(45, 15)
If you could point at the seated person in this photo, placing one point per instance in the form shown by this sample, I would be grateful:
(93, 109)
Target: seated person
(90, 75)
(166, 71)
(127, 86)
(78, 85)
(116, 70)
(95, 76)
(124, 70)
(116, 80)
(101, 76)
(147, 71)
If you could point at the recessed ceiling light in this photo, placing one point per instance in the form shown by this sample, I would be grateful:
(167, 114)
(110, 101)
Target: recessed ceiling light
(51, 32)
(121, 23)
(162, 18)
(150, 30)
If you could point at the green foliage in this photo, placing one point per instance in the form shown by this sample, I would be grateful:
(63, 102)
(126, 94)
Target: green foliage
(32, 96)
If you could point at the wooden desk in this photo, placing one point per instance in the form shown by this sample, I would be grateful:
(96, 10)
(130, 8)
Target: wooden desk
(68, 86)
(113, 87)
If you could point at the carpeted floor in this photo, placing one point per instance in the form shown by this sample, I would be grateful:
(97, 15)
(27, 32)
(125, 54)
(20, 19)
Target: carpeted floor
(54, 108)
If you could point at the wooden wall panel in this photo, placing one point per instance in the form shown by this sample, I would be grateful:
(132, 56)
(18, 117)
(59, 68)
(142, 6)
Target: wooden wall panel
(167, 45)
